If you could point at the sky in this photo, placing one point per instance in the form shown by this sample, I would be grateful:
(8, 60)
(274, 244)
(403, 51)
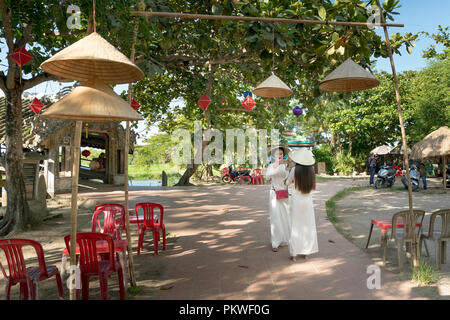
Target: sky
(416, 15)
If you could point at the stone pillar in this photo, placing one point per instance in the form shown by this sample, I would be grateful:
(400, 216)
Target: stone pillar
(51, 171)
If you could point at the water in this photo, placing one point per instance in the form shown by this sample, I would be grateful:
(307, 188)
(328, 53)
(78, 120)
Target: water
(144, 183)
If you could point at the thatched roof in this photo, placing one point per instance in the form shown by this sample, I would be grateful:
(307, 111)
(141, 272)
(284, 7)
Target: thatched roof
(40, 133)
(436, 144)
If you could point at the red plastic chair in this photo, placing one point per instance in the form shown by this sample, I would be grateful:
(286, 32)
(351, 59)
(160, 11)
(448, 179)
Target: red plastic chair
(112, 224)
(398, 171)
(151, 222)
(91, 265)
(257, 177)
(28, 277)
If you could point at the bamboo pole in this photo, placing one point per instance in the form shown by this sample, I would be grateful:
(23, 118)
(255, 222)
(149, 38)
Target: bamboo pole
(73, 219)
(412, 219)
(125, 173)
(259, 19)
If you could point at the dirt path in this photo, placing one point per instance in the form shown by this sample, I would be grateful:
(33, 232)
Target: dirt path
(219, 248)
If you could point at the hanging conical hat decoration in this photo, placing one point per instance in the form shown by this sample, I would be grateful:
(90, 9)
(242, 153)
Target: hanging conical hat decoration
(349, 76)
(93, 101)
(91, 57)
(273, 87)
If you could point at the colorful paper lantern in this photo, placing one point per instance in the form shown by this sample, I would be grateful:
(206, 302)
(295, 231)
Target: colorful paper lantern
(134, 104)
(36, 106)
(248, 103)
(21, 56)
(204, 102)
(297, 111)
(247, 93)
(86, 153)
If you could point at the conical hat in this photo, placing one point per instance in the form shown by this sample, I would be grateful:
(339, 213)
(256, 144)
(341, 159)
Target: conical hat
(302, 156)
(92, 101)
(349, 76)
(90, 57)
(273, 87)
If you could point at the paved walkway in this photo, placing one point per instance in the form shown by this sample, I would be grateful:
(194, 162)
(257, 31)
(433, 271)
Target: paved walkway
(219, 248)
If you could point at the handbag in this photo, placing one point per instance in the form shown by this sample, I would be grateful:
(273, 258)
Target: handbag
(281, 194)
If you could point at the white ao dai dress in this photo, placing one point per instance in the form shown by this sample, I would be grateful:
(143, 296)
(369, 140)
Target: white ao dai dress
(303, 233)
(278, 209)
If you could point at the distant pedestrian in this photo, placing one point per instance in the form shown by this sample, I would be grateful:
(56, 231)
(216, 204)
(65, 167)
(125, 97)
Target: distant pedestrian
(423, 175)
(371, 164)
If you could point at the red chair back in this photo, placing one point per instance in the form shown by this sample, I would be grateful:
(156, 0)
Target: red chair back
(112, 224)
(16, 262)
(89, 258)
(257, 172)
(150, 217)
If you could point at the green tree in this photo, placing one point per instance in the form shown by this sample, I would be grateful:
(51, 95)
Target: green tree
(196, 57)
(41, 26)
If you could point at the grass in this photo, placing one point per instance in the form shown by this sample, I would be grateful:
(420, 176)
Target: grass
(330, 206)
(424, 274)
(132, 291)
(154, 172)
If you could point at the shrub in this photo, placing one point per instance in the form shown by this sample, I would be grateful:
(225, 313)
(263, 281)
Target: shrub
(325, 154)
(345, 164)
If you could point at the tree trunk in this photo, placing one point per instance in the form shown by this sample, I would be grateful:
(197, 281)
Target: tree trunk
(209, 171)
(184, 180)
(18, 214)
(192, 168)
(350, 144)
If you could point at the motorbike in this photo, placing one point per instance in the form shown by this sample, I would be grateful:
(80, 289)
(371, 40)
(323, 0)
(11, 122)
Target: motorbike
(231, 175)
(385, 177)
(415, 176)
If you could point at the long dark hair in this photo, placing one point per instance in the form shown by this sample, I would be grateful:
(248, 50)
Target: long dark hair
(305, 178)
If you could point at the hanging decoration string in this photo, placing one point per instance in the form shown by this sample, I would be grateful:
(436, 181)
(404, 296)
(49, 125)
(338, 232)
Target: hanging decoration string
(273, 48)
(93, 13)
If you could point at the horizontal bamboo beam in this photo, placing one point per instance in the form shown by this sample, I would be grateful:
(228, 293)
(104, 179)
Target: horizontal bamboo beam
(259, 19)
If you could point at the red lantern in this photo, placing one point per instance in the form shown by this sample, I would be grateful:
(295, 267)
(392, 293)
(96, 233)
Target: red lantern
(204, 102)
(248, 103)
(134, 104)
(21, 56)
(222, 98)
(86, 153)
(36, 106)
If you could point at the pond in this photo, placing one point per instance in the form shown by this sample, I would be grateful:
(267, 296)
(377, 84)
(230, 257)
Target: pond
(144, 183)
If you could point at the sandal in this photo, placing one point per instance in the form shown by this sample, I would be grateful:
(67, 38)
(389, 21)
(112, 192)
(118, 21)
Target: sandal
(275, 249)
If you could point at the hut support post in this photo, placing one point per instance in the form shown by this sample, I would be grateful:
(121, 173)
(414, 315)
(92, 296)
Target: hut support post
(412, 220)
(444, 172)
(73, 219)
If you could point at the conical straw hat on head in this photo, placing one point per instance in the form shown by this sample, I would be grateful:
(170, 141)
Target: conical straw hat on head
(92, 101)
(91, 57)
(302, 156)
(349, 76)
(273, 87)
